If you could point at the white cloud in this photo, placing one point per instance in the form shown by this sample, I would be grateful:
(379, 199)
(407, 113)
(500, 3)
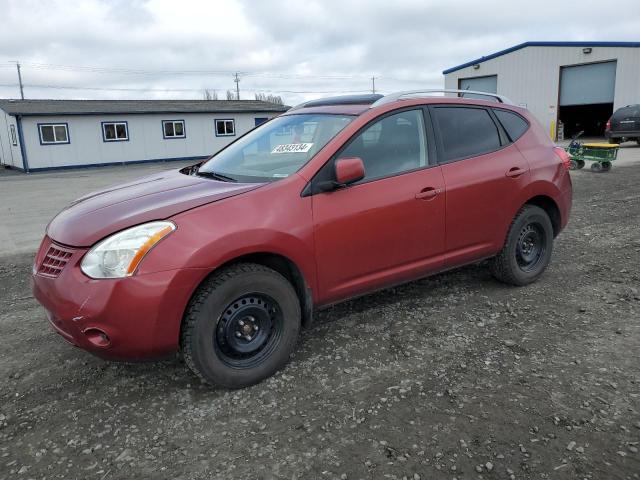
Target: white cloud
(406, 43)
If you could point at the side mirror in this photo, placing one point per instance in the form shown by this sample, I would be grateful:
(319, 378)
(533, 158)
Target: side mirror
(349, 170)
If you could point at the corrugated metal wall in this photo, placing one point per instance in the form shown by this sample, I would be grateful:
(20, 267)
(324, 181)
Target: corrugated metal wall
(531, 76)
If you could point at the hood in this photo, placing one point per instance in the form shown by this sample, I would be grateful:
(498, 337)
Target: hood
(155, 197)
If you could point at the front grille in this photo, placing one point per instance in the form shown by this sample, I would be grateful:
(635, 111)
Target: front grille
(54, 261)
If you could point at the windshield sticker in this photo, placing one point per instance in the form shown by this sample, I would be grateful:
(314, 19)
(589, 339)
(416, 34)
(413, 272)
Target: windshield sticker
(292, 148)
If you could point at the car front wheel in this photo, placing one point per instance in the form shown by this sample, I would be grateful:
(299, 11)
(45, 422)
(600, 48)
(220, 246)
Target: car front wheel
(527, 250)
(241, 326)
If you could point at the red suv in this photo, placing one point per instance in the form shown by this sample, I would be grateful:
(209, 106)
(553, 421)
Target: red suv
(224, 261)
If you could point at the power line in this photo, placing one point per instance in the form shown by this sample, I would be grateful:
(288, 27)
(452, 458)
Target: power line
(129, 89)
(130, 71)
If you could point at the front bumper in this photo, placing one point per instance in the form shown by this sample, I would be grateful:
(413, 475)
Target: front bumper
(131, 318)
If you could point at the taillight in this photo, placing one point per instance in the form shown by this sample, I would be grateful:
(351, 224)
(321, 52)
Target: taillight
(564, 157)
(608, 126)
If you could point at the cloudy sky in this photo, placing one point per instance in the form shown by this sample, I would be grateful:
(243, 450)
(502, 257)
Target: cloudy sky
(298, 49)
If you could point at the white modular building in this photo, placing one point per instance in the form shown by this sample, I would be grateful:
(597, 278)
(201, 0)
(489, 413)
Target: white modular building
(40, 135)
(568, 86)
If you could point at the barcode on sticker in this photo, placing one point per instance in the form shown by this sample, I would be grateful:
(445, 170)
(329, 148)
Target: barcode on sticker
(292, 148)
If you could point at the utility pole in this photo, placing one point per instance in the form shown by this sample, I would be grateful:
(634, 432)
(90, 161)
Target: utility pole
(20, 81)
(237, 80)
(373, 84)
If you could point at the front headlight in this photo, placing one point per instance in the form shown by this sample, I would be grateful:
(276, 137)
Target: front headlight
(120, 254)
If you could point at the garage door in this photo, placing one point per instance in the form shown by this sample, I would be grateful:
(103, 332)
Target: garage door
(487, 84)
(587, 84)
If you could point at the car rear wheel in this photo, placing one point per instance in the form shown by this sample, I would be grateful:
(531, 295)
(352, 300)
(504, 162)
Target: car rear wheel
(241, 326)
(527, 250)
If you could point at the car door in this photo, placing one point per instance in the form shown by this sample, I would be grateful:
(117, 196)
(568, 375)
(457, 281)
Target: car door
(388, 227)
(484, 175)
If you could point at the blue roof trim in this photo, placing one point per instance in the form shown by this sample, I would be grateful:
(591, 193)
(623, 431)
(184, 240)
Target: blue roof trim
(541, 44)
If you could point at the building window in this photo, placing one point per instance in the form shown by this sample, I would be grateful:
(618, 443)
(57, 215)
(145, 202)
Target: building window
(14, 137)
(260, 120)
(173, 129)
(52, 133)
(115, 131)
(225, 128)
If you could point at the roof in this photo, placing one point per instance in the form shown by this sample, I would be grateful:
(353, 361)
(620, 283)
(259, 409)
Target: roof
(542, 44)
(366, 99)
(96, 107)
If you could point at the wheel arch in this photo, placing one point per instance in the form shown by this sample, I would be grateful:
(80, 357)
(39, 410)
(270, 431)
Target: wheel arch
(285, 267)
(550, 206)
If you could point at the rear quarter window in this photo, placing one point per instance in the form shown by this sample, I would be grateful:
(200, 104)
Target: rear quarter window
(625, 112)
(514, 124)
(466, 132)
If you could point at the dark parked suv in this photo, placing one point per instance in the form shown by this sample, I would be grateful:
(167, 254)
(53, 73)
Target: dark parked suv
(624, 125)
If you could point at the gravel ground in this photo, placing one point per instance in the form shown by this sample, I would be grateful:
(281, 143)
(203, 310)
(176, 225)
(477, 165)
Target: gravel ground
(455, 376)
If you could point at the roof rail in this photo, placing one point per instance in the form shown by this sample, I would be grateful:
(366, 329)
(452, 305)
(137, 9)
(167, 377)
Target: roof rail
(392, 97)
(340, 100)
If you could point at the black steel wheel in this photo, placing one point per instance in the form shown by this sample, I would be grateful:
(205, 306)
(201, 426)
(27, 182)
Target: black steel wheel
(241, 326)
(248, 330)
(581, 164)
(596, 167)
(606, 166)
(527, 249)
(531, 246)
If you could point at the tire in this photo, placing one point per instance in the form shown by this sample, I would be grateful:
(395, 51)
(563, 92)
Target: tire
(241, 326)
(580, 164)
(516, 264)
(606, 166)
(596, 167)
(573, 165)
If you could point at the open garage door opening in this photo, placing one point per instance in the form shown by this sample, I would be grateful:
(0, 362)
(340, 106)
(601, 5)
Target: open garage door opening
(586, 98)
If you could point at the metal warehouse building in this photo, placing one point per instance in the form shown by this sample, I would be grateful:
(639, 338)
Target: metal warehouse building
(47, 134)
(568, 86)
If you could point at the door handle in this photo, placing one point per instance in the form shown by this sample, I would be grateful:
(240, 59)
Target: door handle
(515, 172)
(427, 193)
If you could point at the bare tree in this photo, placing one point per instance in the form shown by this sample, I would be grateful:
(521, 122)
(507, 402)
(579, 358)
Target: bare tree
(210, 95)
(231, 95)
(270, 98)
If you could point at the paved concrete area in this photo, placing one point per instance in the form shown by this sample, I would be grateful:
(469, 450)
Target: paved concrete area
(29, 201)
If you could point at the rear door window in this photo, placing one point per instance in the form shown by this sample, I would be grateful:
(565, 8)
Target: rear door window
(465, 132)
(514, 124)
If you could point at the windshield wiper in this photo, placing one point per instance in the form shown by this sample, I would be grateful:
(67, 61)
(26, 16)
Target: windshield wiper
(216, 176)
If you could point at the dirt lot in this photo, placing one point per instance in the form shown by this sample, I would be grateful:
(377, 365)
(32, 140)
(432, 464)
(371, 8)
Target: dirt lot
(454, 376)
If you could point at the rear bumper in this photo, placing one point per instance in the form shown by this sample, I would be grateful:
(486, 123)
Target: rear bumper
(622, 134)
(132, 318)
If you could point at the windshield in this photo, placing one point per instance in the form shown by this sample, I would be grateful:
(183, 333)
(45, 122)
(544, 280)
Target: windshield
(276, 149)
